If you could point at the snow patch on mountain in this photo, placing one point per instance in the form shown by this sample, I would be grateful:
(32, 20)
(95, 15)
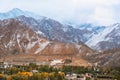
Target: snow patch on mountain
(102, 36)
(41, 47)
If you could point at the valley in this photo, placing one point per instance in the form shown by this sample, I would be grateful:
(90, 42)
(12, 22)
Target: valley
(29, 36)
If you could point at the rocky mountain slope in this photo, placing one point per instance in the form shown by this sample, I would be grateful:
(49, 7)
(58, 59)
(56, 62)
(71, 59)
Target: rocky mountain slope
(109, 57)
(54, 30)
(18, 38)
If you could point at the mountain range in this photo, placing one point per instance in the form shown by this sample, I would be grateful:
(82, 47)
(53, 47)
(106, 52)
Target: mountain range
(23, 32)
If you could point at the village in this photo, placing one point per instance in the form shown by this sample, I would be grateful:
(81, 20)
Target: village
(56, 65)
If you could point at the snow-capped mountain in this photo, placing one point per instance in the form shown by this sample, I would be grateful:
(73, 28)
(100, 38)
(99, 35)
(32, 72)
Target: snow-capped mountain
(53, 29)
(107, 39)
(17, 12)
(96, 37)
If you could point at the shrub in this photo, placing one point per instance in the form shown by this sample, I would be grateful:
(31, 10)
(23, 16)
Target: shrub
(2, 77)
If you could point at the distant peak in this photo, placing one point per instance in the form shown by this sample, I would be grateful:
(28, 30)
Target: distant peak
(16, 10)
(115, 25)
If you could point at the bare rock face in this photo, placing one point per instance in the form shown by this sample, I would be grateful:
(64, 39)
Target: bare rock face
(16, 37)
(67, 49)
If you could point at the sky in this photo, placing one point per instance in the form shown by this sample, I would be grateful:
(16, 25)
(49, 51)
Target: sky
(98, 12)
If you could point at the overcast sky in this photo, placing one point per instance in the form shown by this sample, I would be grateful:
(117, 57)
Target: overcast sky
(101, 12)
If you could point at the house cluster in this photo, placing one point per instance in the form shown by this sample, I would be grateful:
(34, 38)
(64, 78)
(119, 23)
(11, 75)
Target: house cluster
(74, 76)
(5, 65)
(88, 76)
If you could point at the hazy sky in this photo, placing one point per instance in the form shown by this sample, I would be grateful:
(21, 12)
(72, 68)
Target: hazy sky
(103, 12)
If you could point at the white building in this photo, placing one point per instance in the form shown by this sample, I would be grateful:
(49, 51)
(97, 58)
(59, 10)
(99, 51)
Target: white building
(56, 61)
(5, 65)
(74, 76)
